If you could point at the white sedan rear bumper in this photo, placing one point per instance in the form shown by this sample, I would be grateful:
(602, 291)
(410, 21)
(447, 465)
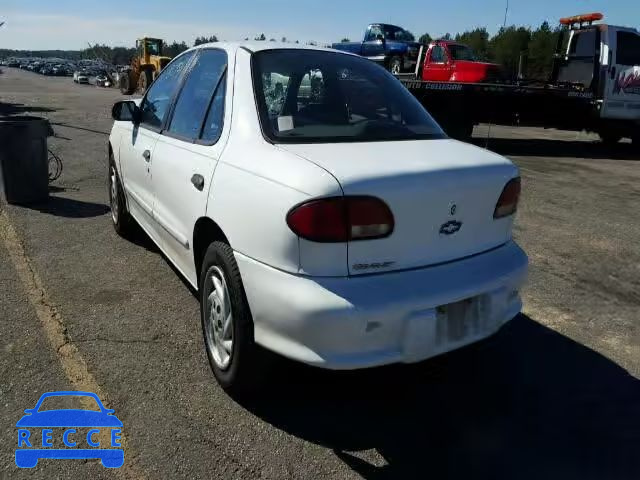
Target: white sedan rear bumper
(365, 321)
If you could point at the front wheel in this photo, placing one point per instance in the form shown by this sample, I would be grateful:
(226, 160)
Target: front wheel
(126, 84)
(145, 79)
(227, 325)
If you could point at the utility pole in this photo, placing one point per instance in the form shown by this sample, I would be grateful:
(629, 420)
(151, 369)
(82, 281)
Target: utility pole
(506, 12)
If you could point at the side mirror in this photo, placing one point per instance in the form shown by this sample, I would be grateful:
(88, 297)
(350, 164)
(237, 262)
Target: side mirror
(126, 111)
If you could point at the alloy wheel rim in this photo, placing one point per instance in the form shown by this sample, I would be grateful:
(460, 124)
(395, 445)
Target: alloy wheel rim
(219, 320)
(113, 194)
(395, 68)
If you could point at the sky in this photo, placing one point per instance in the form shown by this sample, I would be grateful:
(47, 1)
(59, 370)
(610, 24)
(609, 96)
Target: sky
(71, 24)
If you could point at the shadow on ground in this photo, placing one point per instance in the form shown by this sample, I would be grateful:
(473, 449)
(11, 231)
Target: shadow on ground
(528, 403)
(20, 108)
(542, 147)
(69, 208)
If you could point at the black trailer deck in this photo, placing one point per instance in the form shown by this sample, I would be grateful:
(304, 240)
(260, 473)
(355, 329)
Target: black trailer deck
(458, 106)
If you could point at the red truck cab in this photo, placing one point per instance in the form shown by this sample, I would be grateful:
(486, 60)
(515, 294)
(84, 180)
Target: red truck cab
(449, 61)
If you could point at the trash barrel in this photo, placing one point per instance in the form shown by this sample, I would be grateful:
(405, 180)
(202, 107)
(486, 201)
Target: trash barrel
(24, 172)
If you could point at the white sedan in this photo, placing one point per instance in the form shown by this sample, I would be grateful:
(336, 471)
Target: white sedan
(318, 209)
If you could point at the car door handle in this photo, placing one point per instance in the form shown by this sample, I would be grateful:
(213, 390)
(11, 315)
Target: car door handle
(147, 155)
(198, 181)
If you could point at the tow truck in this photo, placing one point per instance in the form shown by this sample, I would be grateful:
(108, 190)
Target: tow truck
(594, 86)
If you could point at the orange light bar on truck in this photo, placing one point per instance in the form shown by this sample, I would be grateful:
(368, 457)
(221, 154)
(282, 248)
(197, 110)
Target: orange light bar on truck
(587, 17)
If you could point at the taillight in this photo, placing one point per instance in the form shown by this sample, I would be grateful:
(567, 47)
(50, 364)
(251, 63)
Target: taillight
(341, 219)
(508, 201)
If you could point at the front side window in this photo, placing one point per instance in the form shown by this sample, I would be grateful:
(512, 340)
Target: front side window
(197, 93)
(308, 96)
(155, 104)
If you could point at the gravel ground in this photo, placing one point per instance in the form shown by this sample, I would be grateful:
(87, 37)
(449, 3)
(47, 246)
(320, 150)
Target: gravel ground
(555, 394)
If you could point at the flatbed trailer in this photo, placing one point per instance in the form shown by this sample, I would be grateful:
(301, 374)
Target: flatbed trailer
(460, 106)
(595, 86)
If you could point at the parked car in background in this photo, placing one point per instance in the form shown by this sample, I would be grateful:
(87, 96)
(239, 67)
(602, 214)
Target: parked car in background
(388, 45)
(335, 225)
(102, 80)
(81, 77)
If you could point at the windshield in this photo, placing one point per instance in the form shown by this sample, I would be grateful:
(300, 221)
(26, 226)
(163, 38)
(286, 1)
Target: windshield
(462, 52)
(307, 96)
(153, 47)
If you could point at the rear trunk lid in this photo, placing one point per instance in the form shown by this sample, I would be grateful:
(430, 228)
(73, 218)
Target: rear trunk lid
(442, 194)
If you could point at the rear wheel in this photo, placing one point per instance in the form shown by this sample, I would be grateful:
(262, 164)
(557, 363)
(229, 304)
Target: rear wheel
(227, 325)
(395, 65)
(120, 217)
(609, 138)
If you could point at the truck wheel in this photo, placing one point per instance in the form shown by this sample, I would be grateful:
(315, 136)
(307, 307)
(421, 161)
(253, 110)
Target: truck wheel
(395, 65)
(609, 138)
(146, 77)
(227, 325)
(125, 83)
(462, 130)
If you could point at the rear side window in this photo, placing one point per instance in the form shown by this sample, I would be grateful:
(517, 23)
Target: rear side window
(212, 128)
(197, 94)
(155, 104)
(628, 51)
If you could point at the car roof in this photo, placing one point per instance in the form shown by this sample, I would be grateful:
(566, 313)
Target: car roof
(258, 46)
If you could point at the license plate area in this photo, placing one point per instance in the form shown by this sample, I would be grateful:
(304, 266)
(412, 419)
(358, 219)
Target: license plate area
(459, 321)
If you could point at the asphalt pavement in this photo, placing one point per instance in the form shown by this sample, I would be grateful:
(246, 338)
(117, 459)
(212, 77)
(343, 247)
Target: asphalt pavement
(555, 394)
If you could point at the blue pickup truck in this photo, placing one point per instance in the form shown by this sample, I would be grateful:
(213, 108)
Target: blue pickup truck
(391, 46)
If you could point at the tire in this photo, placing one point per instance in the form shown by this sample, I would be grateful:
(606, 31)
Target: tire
(146, 77)
(125, 84)
(395, 65)
(609, 138)
(122, 220)
(462, 131)
(227, 326)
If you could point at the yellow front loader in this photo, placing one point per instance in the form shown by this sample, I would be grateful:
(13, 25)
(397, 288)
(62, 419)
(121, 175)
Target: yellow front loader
(145, 66)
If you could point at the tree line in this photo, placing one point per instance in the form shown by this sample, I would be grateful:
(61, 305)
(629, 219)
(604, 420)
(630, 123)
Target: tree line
(509, 47)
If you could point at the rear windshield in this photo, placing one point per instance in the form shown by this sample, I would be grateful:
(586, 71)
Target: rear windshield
(307, 96)
(462, 52)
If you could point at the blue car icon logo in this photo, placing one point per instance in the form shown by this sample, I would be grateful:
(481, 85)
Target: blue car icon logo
(99, 430)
